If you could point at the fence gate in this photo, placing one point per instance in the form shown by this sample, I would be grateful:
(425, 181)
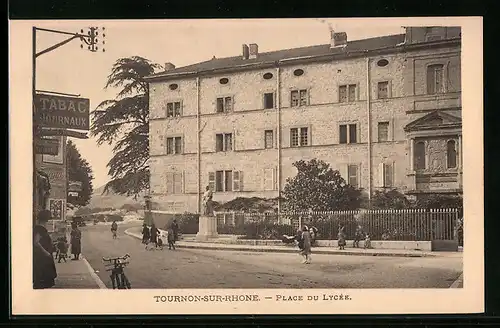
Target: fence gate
(444, 226)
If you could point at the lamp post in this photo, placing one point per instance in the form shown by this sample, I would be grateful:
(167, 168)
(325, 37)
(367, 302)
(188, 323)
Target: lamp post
(92, 42)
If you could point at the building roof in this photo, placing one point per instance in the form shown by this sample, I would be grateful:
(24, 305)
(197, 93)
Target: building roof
(390, 41)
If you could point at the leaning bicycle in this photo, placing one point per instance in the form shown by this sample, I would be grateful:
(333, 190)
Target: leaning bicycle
(116, 265)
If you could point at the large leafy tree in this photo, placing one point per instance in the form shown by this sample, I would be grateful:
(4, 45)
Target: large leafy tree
(318, 187)
(124, 122)
(79, 170)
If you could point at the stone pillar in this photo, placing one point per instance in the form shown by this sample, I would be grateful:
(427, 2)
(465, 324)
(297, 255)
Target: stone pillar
(207, 228)
(412, 144)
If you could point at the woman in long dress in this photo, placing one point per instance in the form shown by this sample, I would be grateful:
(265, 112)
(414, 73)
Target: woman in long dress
(44, 268)
(76, 241)
(306, 246)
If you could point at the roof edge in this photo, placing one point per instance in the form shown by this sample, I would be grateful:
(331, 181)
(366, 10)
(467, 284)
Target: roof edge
(403, 47)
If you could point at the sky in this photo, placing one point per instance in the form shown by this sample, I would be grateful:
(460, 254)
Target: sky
(73, 70)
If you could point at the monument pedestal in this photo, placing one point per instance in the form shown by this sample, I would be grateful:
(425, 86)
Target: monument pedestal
(207, 228)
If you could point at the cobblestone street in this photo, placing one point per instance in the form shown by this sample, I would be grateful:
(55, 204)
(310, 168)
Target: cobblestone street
(196, 268)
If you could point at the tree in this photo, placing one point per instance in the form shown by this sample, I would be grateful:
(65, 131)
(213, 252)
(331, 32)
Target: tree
(318, 187)
(78, 170)
(124, 122)
(390, 199)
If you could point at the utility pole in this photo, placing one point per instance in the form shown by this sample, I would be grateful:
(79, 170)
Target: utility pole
(91, 39)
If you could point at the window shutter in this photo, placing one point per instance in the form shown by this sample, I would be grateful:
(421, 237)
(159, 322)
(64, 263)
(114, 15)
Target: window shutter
(391, 130)
(381, 174)
(268, 178)
(178, 182)
(236, 181)
(211, 180)
(275, 183)
(170, 183)
(344, 172)
(241, 181)
(183, 182)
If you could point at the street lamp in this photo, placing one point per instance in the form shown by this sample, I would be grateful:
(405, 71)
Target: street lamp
(91, 39)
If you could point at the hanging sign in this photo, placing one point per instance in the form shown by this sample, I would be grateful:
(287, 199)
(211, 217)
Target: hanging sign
(62, 112)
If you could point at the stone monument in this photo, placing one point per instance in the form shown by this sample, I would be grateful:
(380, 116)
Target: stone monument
(207, 226)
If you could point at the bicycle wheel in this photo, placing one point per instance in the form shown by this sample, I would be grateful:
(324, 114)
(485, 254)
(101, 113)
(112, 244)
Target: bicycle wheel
(125, 282)
(119, 281)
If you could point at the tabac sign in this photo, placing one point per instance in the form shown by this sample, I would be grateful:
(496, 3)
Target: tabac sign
(62, 112)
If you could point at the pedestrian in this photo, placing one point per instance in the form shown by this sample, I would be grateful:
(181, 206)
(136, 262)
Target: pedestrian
(306, 246)
(76, 241)
(341, 238)
(171, 239)
(114, 229)
(153, 237)
(145, 234)
(44, 267)
(62, 249)
(175, 230)
(358, 236)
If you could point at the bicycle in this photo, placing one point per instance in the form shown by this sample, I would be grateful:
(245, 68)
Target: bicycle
(118, 278)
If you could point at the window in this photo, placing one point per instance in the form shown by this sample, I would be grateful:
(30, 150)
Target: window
(299, 98)
(386, 175)
(382, 63)
(419, 156)
(228, 180)
(383, 131)
(298, 72)
(348, 133)
(269, 100)
(268, 76)
(175, 182)
(352, 175)
(435, 77)
(174, 145)
(451, 154)
(223, 181)
(269, 179)
(299, 137)
(224, 80)
(224, 142)
(383, 90)
(224, 104)
(174, 109)
(173, 86)
(347, 93)
(268, 139)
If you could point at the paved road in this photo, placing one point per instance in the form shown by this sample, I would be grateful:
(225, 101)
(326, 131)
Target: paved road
(193, 268)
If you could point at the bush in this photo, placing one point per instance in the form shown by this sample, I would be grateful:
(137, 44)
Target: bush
(131, 207)
(257, 230)
(114, 217)
(389, 199)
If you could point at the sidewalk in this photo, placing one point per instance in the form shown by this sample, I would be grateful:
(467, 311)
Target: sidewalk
(292, 249)
(77, 274)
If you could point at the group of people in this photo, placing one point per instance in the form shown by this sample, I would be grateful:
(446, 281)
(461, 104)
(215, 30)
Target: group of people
(152, 235)
(44, 268)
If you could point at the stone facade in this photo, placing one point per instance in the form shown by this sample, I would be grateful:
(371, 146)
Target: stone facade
(177, 180)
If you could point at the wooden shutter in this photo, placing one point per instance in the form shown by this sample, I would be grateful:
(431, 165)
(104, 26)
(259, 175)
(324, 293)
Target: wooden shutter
(381, 175)
(275, 179)
(211, 181)
(344, 172)
(178, 183)
(237, 179)
(268, 179)
(170, 183)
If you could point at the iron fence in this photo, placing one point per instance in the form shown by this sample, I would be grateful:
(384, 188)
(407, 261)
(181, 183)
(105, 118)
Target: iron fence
(404, 225)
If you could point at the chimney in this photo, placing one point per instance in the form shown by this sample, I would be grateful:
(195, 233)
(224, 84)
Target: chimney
(245, 51)
(169, 66)
(338, 39)
(254, 50)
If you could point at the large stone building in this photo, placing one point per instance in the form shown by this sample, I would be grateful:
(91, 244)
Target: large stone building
(385, 112)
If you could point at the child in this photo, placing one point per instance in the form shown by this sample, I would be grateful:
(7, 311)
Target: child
(62, 249)
(341, 238)
(357, 236)
(171, 239)
(368, 241)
